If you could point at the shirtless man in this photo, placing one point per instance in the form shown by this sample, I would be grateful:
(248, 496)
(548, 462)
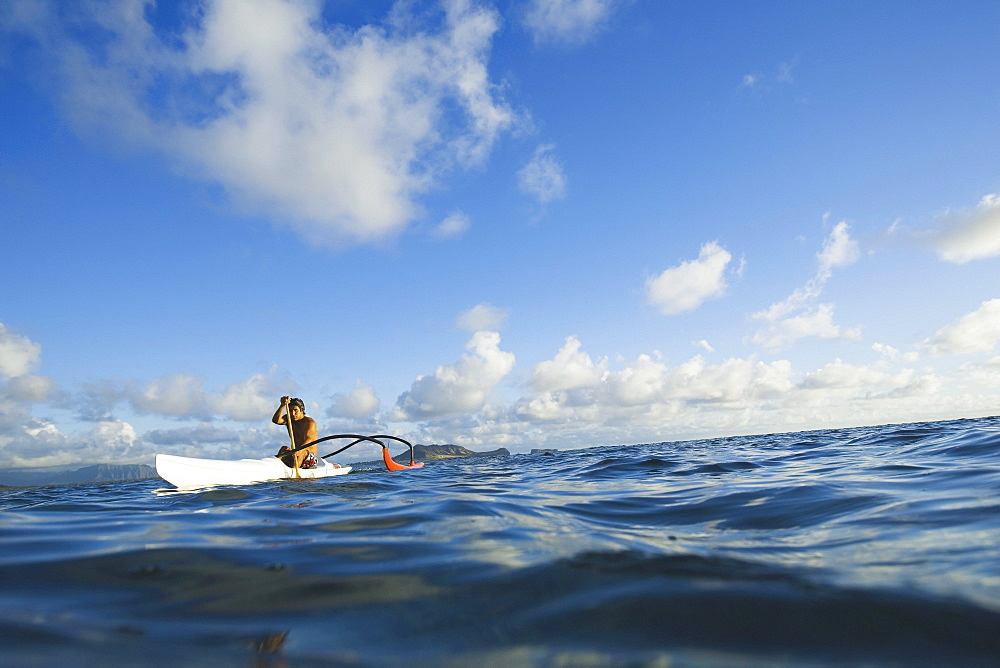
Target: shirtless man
(304, 429)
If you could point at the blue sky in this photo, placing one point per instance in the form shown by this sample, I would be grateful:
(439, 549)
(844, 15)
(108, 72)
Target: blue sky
(536, 223)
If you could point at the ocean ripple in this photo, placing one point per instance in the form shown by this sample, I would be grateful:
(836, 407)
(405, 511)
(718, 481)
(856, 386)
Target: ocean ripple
(870, 545)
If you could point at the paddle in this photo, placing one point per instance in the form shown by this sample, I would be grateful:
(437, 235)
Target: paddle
(291, 436)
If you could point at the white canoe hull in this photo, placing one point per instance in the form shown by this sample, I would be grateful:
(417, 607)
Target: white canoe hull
(188, 472)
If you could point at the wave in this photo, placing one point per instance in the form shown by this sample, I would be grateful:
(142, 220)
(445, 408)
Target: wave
(870, 545)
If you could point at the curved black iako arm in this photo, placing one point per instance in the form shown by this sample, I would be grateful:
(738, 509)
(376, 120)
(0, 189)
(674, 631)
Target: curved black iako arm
(358, 438)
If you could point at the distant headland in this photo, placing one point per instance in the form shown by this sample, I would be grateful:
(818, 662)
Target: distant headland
(86, 474)
(431, 453)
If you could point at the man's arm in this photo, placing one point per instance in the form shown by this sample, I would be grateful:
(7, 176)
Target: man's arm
(279, 415)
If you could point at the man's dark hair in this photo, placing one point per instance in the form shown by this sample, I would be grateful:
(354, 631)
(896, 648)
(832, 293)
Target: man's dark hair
(297, 402)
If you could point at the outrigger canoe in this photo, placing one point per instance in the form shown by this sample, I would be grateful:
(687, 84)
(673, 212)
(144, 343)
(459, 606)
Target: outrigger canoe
(189, 472)
(193, 473)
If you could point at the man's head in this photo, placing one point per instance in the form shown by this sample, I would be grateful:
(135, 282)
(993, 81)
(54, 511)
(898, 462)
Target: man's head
(297, 408)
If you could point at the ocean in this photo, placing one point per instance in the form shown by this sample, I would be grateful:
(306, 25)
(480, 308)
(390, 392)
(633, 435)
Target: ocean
(874, 545)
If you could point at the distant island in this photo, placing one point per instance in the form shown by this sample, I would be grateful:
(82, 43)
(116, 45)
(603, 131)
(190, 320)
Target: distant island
(430, 453)
(86, 474)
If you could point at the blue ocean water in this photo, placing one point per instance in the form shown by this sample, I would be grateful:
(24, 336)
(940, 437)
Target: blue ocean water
(876, 545)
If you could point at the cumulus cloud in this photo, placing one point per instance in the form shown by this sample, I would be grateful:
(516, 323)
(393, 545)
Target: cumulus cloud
(686, 286)
(892, 354)
(181, 396)
(567, 21)
(839, 375)
(817, 323)
(335, 129)
(113, 435)
(177, 395)
(970, 235)
(19, 355)
(28, 389)
(457, 388)
(978, 331)
(571, 368)
(483, 316)
(649, 398)
(811, 320)
(648, 390)
(543, 176)
(250, 400)
(735, 381)
(572, 384)
(360, 402)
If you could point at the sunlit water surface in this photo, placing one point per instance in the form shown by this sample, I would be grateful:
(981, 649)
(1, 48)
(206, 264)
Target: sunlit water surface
(871, 545)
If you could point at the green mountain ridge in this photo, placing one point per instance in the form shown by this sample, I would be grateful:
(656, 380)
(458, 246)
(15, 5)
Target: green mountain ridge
(87, 474)
(429, 453)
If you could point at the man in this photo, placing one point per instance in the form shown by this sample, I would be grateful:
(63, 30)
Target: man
(304, 430)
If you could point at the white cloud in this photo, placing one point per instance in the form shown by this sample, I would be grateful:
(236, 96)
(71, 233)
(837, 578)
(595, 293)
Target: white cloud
(543, 176)
(360, 402)
(184, 396)
(567, 21)
(686, 286)
(462, 387)
(840, 375)
(483, 316)
(889, 353)
(28, 389)
(978, 331)
(250, 400)
(176, 395)
(650, 399)
(114, 435)
(572, 388)
(783, 328)
(734, 381)
(335, 129)
(839, 250)
(455, 224)
(704, 345)
(927, 386)
(571, 368)
(19, 355)
(641, 382)
(965, 236)
(817, 322)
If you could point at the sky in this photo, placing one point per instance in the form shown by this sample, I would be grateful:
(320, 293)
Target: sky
(524, 224)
